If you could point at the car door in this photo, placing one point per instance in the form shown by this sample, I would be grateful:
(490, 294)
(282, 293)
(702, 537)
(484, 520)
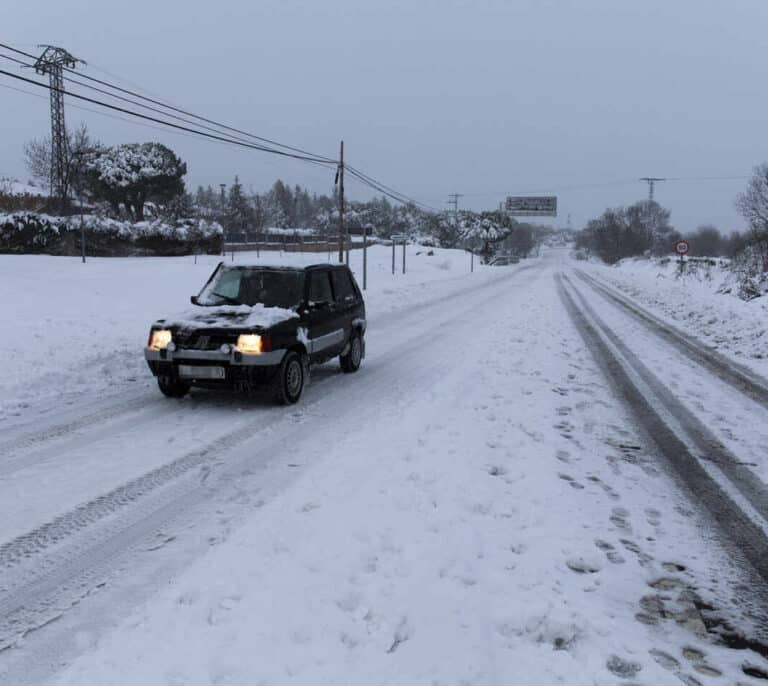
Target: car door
(324, 334)
(346, 299)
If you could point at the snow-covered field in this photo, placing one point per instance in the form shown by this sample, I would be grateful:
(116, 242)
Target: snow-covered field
(702, 301)
(72, 329)
(475, 506)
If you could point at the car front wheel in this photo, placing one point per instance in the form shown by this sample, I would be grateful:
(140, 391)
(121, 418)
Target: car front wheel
(172, 387)
(350, 361)
(289, 379)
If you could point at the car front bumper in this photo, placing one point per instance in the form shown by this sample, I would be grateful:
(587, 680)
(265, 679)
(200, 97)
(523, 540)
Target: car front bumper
(207, 357)
(239, 370)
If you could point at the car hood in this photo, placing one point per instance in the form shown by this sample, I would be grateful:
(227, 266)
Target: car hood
(229, 317)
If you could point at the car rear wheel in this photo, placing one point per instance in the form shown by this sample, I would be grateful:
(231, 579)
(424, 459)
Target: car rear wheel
(350, 361)
(289, 380)
(172, 386)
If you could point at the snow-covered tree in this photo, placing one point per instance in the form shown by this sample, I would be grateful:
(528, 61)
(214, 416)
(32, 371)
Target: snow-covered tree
(238, 216)
(134, 173)
(38, 153)
(753, 205)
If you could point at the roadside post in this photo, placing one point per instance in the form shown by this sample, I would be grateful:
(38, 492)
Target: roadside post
(471, 261)
(682, 248)
(348, 241)
(398, 238)
(365, 258)
(82, 231)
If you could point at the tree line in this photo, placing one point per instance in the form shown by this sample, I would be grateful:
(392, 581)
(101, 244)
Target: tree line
(136, 181)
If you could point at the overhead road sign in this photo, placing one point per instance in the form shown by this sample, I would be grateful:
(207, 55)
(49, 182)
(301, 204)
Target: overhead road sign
(531, 206)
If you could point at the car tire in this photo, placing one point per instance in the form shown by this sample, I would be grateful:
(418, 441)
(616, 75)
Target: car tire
(172, 386)
(288, 384)
(351, 360)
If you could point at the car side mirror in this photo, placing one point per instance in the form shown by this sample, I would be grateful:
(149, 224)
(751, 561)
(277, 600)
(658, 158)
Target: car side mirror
(319, 305)
(193, 300)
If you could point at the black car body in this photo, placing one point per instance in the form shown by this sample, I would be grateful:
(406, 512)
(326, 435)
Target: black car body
(255, 326)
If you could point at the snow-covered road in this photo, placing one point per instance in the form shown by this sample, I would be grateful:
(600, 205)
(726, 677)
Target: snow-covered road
(476, 506)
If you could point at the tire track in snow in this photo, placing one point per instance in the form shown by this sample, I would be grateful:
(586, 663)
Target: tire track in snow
(55, 565)
(737, 526)
(737, 376)
(32, 439)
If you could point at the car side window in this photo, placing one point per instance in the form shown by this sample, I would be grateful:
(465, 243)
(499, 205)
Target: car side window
(320, 287)
(342, 286)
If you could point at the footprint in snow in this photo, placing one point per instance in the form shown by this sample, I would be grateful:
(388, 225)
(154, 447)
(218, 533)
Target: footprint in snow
(653, 516)
(571, 481)
(622, 668)
(666, 660)
(608, 490)
(619, 518)
(614, 557)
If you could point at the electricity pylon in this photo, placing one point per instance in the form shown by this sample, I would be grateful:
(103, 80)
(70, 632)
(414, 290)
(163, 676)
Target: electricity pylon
(52, 62)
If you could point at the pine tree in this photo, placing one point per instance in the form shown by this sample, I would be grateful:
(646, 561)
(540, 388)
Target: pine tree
(238, 216)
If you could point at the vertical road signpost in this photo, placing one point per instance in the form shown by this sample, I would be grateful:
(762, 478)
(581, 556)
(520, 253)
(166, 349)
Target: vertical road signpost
(682, 248)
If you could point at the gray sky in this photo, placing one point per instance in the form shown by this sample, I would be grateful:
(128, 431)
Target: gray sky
(432, 97)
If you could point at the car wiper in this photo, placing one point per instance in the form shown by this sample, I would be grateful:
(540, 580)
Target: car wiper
(226, 298)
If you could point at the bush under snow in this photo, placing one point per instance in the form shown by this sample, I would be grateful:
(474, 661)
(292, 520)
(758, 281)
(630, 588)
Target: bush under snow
(29, 232)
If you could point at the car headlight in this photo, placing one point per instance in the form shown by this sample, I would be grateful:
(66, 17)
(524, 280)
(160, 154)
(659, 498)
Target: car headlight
(249, 343)
(159, 339)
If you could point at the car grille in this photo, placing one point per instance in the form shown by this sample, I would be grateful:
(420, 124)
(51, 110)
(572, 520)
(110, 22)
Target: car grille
(203, 340)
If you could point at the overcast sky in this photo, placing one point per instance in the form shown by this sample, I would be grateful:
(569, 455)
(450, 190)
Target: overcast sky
(483, 97)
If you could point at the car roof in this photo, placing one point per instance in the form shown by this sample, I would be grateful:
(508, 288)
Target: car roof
(286, 268)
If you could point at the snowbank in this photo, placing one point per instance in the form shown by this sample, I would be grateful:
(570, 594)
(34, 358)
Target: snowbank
(702, 300)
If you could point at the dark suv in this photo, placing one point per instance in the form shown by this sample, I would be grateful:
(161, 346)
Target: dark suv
(257, 326)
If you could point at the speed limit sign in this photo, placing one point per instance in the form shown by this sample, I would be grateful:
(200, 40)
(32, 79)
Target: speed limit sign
(682, 247)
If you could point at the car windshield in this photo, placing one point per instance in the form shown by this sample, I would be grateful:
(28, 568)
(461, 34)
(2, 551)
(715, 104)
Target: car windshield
(254, 285)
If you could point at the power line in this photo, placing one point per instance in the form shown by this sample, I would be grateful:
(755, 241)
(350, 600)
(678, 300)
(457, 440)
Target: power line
(232, 140)
(167, 123)
(228, 138)
(175, 109)
(386, 190)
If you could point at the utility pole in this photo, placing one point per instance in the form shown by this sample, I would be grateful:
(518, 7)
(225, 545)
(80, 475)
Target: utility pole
(340, 183)
(651, 181)
(222, 215)
(52, 62)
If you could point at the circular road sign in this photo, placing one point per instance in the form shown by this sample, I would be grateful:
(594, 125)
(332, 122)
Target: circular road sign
(682, 247)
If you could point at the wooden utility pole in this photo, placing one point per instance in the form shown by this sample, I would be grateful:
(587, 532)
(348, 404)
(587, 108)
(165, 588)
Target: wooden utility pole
(340, 180)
